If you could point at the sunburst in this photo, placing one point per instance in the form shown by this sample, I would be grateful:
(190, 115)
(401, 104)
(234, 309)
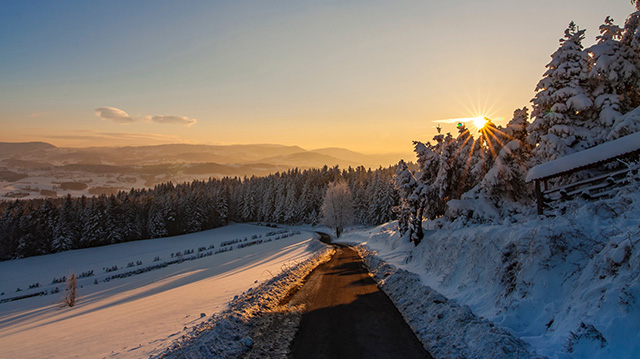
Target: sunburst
(474, 124)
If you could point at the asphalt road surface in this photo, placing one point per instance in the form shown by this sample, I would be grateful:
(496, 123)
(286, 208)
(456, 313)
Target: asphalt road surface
(348, 316)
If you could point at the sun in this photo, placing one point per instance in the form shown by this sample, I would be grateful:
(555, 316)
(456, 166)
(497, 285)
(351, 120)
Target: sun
(479, 122)
(474, 124)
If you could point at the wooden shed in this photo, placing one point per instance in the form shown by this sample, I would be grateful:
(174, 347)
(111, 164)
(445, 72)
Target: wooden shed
(617, 150)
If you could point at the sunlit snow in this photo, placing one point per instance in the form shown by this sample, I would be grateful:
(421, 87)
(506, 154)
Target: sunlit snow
(142, 314)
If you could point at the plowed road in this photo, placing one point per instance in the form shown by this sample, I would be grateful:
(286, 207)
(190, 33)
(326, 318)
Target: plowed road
(347, 316)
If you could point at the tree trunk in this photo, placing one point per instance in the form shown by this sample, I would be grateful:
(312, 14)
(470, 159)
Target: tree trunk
(417, 234)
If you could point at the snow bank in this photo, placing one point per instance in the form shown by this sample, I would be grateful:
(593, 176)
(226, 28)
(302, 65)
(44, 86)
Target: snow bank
(568, 285)
(447, 329)
(254, 325)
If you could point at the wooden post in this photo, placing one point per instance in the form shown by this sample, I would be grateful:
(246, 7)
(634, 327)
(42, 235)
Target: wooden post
(539, 197)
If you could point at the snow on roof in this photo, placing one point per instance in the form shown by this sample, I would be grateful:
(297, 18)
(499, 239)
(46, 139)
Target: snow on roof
(603, 152)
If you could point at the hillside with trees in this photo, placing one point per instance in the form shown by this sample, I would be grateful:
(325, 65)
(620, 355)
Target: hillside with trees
(37, 227)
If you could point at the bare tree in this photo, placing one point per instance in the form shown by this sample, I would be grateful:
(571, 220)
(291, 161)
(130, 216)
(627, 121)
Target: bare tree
(71, 292)
(337, 206)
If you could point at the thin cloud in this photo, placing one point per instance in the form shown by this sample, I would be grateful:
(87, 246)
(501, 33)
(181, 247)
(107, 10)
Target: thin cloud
(114, 114)
(174, 120)
(119, 116)
(455, 120)
(89, 136)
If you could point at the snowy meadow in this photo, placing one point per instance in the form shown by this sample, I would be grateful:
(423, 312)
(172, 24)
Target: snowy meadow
(123, 314)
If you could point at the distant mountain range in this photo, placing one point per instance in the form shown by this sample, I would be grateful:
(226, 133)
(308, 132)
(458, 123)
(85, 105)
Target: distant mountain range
(45, 154)
(38, 169)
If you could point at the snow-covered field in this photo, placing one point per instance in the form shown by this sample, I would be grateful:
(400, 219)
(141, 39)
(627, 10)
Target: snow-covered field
(568, 285)
(126, 315)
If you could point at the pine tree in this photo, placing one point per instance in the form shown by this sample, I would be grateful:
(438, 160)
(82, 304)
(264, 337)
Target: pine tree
(249, 202)
(113, 221)
(66, 233)
(505, 183)
(290, 215)
(562, 106)
(413, 194)
(630, 65)
(10, 232)
(156, 225)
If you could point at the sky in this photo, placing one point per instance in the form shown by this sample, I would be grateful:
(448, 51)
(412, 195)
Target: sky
(367, 75)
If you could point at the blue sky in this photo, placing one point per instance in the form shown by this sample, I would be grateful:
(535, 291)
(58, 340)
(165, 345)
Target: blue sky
(365, 75)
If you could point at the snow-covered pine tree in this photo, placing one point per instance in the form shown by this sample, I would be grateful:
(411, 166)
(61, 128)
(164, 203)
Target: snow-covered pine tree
(517, 128)
(616, 75)
(10, 230)
(631, 35)
(93, 232)
(47, 219)
(410, 208)
(372, 213)
(249, 202)
(449, 171)
(113, 221)
(403, 214)
(133, 218)
(26, 243)
(156, 225)
(279, 201)
(360, 201)
(195, 213)
(388, 199)
(290, 209)
(66, 232)
(304, 203)
(562, 106)
(267, 203)
(470, 161)
(505, 184)
(221, 216)
(428, 158)
(630, 50)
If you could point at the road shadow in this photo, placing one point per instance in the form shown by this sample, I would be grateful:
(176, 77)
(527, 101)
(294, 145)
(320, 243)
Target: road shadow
(348, 316)
(360, 329)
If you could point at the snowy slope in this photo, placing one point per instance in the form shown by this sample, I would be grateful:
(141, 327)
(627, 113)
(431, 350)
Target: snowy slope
(141, 314)
(568, 285)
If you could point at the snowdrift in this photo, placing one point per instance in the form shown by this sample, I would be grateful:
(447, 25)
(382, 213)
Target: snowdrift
(568, 285)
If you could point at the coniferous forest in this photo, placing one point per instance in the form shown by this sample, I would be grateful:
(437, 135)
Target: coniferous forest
(36, 227)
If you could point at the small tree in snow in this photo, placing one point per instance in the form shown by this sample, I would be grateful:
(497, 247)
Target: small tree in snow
(71, 291)
(337, 207)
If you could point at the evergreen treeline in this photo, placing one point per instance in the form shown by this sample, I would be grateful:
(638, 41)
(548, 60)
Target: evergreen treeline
(36, 227)
(586, 97)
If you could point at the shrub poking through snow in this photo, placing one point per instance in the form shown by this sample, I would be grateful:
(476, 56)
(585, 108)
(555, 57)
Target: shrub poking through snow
(585, 332)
